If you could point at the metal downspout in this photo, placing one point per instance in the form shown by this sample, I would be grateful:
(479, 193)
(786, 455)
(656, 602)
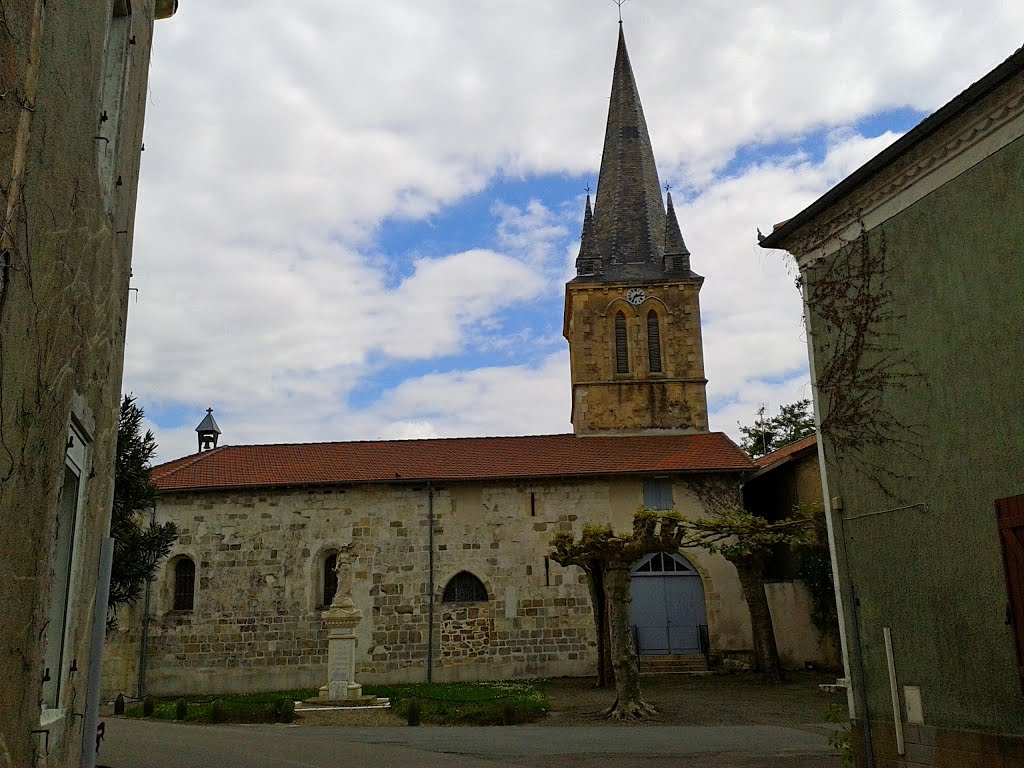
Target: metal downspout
(430, 583)
(144, 640)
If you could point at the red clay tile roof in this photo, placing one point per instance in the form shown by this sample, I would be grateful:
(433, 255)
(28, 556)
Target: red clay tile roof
(461, 458)
(785, 452)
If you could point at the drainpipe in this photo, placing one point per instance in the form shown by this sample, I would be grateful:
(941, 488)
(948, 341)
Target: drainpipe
(430, 583)
(144, 641)
(99, 627)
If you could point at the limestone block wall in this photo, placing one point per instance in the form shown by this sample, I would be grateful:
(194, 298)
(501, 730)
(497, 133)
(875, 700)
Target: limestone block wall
(256, 621)
(603, 399)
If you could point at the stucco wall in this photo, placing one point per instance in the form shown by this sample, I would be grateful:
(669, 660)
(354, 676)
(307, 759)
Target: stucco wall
(256, 624)
(63, 302)
(926, 559)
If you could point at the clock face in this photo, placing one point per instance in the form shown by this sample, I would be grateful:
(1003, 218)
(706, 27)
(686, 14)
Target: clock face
(635, 296)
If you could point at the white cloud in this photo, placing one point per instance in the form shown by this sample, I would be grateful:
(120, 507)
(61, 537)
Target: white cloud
(280, 137)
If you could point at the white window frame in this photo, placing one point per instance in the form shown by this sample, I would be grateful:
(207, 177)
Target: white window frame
(65, 577)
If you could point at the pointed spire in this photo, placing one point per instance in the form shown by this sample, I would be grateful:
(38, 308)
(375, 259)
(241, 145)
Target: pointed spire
(677, 255)
(629, 216)
(589, 260)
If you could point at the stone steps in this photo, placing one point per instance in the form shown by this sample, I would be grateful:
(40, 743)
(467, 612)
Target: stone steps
(673, 664)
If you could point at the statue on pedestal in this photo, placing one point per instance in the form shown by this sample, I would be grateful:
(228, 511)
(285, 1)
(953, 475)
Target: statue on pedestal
(341, 620)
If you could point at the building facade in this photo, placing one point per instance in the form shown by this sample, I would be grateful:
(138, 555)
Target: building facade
(73, 82)
(450, 538)
(913, 278)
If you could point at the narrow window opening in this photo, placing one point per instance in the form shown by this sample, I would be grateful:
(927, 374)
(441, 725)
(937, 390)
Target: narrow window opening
(330, 580)
(621, 346)
(533, 505)
(654, 341)
(184, 584)
(547, 571)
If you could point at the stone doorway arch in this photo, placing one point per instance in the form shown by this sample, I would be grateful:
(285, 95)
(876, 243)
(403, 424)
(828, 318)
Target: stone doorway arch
(667, 610)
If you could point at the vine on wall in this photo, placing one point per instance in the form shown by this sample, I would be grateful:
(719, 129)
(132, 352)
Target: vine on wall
(860, 359)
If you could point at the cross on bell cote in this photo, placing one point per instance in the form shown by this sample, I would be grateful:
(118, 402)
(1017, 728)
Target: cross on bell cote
(208, 432)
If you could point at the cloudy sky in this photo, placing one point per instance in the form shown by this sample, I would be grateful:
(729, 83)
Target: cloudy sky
(356, 219)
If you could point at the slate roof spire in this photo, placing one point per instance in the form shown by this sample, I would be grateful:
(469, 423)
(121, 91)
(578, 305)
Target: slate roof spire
(677, 255)
(589, 260)
(629, 234)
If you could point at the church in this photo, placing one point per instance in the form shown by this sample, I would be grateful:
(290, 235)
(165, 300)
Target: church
(449, 538)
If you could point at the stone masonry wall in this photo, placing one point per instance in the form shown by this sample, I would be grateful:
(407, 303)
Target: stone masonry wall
(603, 399)
(256, 622)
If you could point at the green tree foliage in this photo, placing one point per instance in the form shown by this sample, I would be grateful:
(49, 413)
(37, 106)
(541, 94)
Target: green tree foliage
(769, 434)
(139, 544)
(746, 540)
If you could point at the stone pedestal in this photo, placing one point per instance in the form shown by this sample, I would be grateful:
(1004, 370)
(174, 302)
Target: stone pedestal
(341, 620)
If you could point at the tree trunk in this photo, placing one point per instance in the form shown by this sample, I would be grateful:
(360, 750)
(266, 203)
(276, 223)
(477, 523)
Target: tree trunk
(766, 653)
(599, 601)
(628, 702)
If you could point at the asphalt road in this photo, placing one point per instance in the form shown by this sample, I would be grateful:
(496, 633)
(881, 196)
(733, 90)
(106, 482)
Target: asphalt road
(141, 744)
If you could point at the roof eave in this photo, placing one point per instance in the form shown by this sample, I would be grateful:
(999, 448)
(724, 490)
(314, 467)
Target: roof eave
(420, 480)
(779, 237)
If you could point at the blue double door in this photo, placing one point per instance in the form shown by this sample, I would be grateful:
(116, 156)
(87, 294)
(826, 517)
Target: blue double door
(668, 604)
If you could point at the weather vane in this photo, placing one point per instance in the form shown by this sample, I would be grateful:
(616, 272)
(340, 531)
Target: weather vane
(620, 3)
(588, 189)
(668, 187)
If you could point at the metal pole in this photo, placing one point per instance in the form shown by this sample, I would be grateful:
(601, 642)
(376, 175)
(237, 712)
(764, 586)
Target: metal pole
(894, 692)
(430, 583)
(99, 631)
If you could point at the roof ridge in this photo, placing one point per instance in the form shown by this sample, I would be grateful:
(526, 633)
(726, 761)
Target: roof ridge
(183, 462)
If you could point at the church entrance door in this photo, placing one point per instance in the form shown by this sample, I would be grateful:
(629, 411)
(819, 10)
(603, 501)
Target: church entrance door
(668, 604)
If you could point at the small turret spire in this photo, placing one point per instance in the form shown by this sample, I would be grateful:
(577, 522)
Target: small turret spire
(589, 260)
(677, 255)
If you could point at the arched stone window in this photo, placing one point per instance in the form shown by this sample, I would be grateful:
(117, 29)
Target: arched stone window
(184, 584)
(621, 344)
(653, 341)
(464, 587)
(329, 582)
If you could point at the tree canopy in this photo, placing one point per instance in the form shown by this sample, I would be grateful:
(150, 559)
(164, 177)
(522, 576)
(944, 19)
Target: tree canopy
(765, 435)
(139, 545)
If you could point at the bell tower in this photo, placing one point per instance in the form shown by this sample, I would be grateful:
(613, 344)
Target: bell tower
(632, 313)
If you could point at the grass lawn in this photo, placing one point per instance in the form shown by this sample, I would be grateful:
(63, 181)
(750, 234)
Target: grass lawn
(490, 703)
(234, 708)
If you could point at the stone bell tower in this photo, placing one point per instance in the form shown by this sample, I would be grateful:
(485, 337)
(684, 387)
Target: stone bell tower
(632, 313)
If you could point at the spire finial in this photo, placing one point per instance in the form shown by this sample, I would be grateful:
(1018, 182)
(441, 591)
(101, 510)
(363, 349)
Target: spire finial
(620, 3)
(668, 188)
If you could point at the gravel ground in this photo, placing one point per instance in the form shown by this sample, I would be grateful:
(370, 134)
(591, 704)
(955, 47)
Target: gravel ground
(702, 700)
(680, 700)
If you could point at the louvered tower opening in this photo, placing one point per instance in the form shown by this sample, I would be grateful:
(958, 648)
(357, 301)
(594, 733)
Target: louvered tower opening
(621, 347)
(653, 341)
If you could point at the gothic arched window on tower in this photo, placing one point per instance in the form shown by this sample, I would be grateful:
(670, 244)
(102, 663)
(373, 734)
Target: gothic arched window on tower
(621, 345)
(653, 342)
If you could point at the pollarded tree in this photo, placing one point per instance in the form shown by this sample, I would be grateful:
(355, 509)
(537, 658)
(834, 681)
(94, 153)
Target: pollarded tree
(746, 540)
(607, 558)
(138, 548)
